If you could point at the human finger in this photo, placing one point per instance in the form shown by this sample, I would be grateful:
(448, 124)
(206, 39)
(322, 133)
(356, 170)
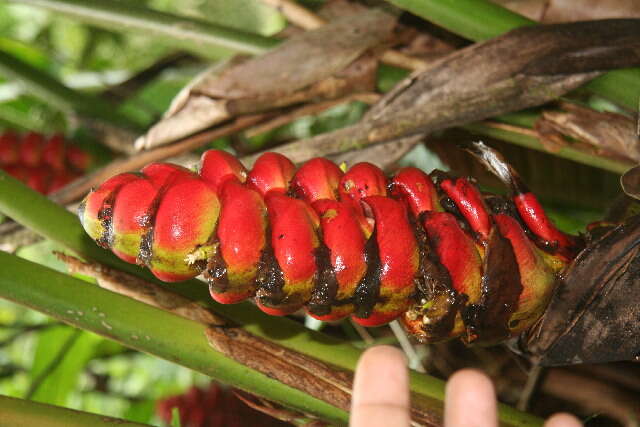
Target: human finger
(563, 420)
(381, 389)
(470, 400)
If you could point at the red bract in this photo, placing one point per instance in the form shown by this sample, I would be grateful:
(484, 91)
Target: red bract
(242, 236)
(317, 179)
(271, 172)
(339, 244)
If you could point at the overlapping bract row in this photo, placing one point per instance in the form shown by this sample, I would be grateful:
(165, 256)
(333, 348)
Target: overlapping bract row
(43, 163)
(434, 250)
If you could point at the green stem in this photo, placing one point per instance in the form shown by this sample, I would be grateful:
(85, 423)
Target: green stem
(19, 412)
(54, 222)
(55, 93)
(480, 20)
(189, 32)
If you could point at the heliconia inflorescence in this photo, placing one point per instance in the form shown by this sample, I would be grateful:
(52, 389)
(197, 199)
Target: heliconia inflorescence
(44, 163)
(434, 251)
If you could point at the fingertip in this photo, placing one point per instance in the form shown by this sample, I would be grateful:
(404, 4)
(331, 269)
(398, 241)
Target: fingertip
(470, 400)
(469, 380)
(381, 389)
(382, 354)
(563, 420)
(381, 377)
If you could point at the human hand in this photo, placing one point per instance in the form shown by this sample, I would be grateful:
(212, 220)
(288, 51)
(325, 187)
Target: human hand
(381, 395)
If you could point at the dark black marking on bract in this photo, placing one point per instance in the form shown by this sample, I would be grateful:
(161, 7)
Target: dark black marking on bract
(148, 222)
(368, 290)
(216, 270)
(270, 279)
(325, 288)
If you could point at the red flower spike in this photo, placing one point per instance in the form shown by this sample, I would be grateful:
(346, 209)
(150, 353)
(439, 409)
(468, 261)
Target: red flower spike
(8, 149)
(343, 237)
(536, 276)
(415, 186)
(132, 217)
(469, 202)
(31, 149)
(271, 172)
(184, 223)
(78, 158)
(539, 223)
(213, 407)
(399, 260)
(492, 289)
(54, 153)
(96, 210)
(294, 239)
(317, 179)
(218, 166)
(242, 238)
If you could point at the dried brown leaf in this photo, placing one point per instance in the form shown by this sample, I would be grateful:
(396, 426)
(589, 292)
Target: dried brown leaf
(608, 132)
(321, 64)
(594, 315)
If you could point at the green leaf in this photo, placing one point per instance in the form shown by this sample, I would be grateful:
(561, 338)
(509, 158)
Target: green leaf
(63, 378)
